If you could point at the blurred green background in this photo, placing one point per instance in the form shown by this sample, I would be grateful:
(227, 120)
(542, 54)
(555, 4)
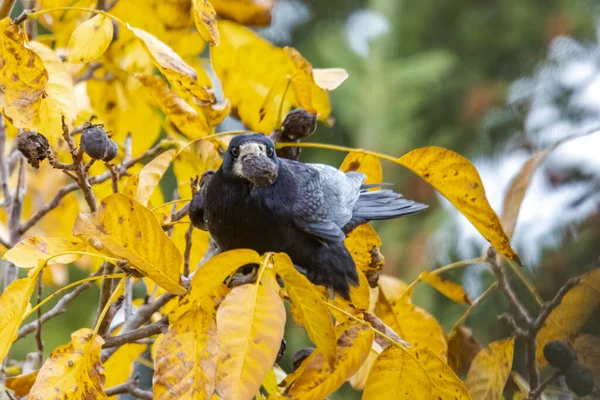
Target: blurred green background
(433, 73)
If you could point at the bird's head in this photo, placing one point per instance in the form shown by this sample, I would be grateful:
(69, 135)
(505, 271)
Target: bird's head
(252, 157)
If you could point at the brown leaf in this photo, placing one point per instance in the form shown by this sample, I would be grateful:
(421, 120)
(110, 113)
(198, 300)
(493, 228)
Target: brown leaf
(462, 349)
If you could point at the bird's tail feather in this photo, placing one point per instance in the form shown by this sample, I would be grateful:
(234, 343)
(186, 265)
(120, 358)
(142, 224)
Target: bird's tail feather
(384, 204)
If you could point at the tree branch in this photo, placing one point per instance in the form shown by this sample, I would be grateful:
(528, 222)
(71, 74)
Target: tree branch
(535, 394)
(105, 293)
(155, 328)
(6, 7)
(38, 330)
(130, 387)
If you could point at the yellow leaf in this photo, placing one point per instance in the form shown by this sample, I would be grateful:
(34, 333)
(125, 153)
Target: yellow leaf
(193, 160)
(359, 379)
(23, 77)
(360, 295)
(363, 244)
(186, 358)
(450, 289)
(458, 180)
(490, 370)
(315, 315)
(172, 66)
(205, 18)
(61, 24)
(250, 325)
(576, 308)
(587, 347)
(516, 192)
(13, 303)
(90, 40)
(245, 12)
(411, 323)
(366, 163)
(59, 98)
(317, 380)
(21, 384)
(211, 274)
(128, 230)
(119, 367)
(29, 252)
(412, 374)
(73, 370)
(329, 78)
(151, 175)
(250, 68)
(183, 116)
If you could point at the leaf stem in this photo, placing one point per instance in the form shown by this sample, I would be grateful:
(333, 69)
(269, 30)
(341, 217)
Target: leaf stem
(474, 305)
(518, 271)
(338, 148)
(171, 202)
(36, 14)
(458, 264)
(111, 300)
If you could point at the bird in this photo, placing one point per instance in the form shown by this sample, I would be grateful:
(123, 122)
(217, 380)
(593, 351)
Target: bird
(258, 201)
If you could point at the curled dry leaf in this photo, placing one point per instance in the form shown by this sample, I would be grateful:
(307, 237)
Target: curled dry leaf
(205, 18)
(462, 348)
(13, 303)
(29, 252)
(172, 66)
(183, 116)
(314, 314)
(411, 323)
(412, 374)
(119, 367)
(151, 175)
(90, 40)
(186, 357)
(450, 289)
(490, 370)
(72, 371)
(245, 12)
(316, 380)
(250, 326)
(127, 230)
(23, 77)
(576, 308)
(458, 180)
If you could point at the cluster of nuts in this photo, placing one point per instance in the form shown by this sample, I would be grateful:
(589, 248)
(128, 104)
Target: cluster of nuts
(96, 143)
(578, 378)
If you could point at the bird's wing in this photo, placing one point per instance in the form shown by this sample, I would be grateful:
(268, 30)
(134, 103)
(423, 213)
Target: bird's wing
(325, 198)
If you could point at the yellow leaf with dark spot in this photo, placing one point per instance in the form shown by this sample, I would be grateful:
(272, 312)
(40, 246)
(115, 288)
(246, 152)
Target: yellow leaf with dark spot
(211, 274)
(21, 384)
(72, 371)
(193, 160)
(90, 40)
(59, 99)
(128, 230)
(329, 78)
(205, 18)
(411, 323)
(151, 175)
(172, 66)
(316, 379)
(245, 12)
(365, 163)
(412, 374)
(250, 325)
(23, 77)
(13, 303)
(29, 252)
(576, 308)
(186, 358)
(183, 116)
(315, 315)
(119, 367)
(363, 244)
(458, 180)
(450, 289)
(490, 370)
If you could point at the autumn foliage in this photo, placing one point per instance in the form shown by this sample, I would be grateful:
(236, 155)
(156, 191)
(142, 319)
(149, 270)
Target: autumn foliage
(212, 331)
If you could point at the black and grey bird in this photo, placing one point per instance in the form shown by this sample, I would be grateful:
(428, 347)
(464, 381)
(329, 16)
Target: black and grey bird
(258, 201)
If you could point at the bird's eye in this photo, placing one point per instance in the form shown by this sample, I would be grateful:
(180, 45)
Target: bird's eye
(270, 152)
(235, 152)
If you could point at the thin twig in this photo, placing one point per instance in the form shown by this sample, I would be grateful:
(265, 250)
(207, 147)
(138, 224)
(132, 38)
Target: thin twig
(4, 177)
(188, 250)
(6, 7)
(128, 301)
(549, 306)
(88, 73)
(155, 328)
(59, 308)
(131, 387)
(38, 330)
(538, 392)
(114, 173)
(105, 293)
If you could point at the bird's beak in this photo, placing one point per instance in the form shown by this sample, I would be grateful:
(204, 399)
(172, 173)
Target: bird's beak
(255, 165)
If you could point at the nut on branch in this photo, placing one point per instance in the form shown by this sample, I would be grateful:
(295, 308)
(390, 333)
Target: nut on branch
(96, 143)
(298, 124)
(34, 147)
